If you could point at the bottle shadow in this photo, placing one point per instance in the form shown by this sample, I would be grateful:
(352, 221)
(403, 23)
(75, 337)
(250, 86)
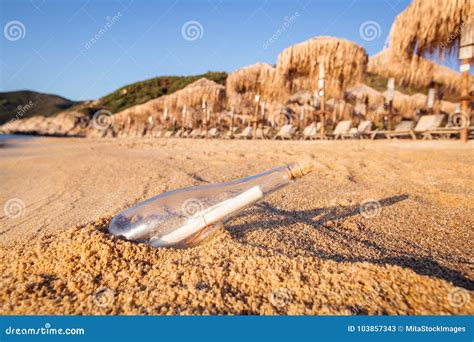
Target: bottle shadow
(376, 253)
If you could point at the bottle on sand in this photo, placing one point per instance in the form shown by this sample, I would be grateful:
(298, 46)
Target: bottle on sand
(184, 217)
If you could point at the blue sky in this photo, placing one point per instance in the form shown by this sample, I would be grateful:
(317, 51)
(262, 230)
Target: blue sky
(52, 50)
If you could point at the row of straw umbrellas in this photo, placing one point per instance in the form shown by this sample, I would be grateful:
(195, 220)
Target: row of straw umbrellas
(201, 120)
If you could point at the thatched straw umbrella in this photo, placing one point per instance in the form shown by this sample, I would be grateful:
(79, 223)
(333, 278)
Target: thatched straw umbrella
(193, 95)
(298, 66)
(297, 71)
(190, 97)
(406, 105)
(244, 84)
(416, 72)
(427, 27)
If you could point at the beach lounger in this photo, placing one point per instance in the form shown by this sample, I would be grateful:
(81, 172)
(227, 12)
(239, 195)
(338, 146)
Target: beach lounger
(263, 133)
(402, 126)
(213, 133)
(364, 129)
(286, 132)
(313, 132)
(446, 132)
(350, 134)
(231, 133)
(268, 131)
(293, 131)
(195, 133)
(309, 131)
(342, 128)
(426, 123)
(247, 133)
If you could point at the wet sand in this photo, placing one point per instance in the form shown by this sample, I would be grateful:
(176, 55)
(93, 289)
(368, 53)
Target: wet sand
(316, 247)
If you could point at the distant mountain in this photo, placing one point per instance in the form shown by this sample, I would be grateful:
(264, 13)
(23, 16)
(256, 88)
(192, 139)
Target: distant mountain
(25, 103)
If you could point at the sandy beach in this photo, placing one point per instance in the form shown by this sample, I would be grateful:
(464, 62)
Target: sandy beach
(311, 248)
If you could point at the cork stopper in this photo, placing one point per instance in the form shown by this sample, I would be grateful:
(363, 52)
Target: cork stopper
(300, 168)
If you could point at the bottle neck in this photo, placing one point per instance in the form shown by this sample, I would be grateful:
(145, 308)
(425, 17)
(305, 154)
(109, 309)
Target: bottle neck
(294, 171)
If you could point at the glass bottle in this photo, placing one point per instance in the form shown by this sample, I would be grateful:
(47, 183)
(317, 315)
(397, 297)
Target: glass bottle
(184, 217)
